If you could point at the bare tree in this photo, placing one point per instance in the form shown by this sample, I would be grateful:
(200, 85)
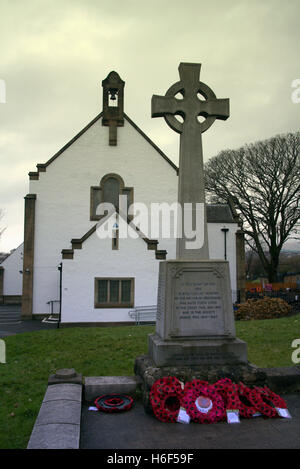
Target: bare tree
(263, 182)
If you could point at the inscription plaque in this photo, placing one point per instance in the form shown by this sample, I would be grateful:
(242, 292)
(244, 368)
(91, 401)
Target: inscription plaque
(194, 300)
(198, 307)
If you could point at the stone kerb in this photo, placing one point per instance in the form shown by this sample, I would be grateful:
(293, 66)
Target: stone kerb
(58, 422)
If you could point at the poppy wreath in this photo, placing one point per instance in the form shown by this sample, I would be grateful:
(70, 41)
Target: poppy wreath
(266, 401)
(113, 403)
(191, 384)
(247, 409)
(166, 398)
(222, 386)
(229, 392)
(199, 388)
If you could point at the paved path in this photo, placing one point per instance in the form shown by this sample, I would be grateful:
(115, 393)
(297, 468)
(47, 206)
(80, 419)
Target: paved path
(24, 326)
(137, 430)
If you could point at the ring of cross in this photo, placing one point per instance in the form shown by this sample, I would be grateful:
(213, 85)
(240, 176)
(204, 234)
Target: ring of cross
(204, 91)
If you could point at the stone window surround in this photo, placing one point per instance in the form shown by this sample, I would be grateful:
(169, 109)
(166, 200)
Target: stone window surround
(123, 190)
(119, 304)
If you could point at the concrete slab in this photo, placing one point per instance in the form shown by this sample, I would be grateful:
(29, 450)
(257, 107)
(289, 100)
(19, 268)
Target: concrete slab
(59, 411)
(137, 430)
(55, 436)
(65, 392)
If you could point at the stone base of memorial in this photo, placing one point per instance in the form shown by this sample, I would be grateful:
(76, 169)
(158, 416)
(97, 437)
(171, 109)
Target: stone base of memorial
(195, 329)
(149, 372)
(197, 352)
(195, 320)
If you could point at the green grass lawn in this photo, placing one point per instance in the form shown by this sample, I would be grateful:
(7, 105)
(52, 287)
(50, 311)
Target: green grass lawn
(32, 357)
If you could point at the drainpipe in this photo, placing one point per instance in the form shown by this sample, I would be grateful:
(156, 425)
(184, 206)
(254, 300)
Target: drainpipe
(225, 231)
(60, 292)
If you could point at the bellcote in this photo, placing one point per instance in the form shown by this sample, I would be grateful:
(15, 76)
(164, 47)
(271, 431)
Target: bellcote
(113, 105)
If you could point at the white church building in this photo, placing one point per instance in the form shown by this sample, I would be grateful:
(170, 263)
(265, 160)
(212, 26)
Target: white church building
(11, 277)
(68, 268)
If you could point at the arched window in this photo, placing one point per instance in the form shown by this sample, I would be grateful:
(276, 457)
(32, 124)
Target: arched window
(111, 191)
(110, 188)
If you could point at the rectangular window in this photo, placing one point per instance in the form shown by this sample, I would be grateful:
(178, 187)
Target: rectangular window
(114, 292)
(102, 291)
(95, 200)
(125, 291)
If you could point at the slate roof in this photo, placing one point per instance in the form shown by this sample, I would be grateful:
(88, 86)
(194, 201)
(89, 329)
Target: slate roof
(219, 213)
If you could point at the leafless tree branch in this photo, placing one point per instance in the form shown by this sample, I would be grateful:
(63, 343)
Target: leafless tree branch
(263, 181)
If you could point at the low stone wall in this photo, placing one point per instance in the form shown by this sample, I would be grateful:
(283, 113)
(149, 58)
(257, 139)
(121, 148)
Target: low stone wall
(58, 422)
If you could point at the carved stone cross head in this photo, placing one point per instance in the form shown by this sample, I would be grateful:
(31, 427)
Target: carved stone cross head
(197, 100)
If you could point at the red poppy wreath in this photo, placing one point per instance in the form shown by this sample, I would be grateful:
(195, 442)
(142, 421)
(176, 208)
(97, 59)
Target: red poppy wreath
(113, 403)
(166, 398)
(266, 401)
(202, 402)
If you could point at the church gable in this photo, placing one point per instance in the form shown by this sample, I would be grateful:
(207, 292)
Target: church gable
(71, 184)
(112, 116)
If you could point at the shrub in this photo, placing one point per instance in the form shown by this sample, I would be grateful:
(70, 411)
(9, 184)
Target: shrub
(265, 308)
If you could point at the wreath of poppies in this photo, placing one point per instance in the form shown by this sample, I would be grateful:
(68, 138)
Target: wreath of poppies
(229, 392)
(113, 403)
(201, 389)
(205, 403)
(266, 401)
(166, 397)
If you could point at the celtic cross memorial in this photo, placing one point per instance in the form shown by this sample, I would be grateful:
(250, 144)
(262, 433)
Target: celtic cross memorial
(195, 321)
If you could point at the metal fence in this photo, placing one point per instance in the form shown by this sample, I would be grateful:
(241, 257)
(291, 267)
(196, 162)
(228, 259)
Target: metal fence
(143, 314)
(290, 296)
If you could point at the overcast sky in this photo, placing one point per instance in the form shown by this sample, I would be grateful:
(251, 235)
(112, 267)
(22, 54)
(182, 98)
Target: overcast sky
(54, 55)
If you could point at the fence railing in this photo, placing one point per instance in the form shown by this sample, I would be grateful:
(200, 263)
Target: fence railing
(290, 296)
(53, 317)
(143, 314)
(54, 306)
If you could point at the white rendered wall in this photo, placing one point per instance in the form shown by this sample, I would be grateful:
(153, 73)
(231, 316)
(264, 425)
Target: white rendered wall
(97, 259)
(13, 264)
(63, 195)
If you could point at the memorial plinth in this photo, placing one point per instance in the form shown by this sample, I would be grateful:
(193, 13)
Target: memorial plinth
(195, 321)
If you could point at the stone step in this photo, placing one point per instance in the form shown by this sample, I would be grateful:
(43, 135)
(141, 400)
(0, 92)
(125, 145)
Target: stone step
(51, 320)
(97, 386)
(6, 311)
(10, 319)
(10, 316)
(9, 313)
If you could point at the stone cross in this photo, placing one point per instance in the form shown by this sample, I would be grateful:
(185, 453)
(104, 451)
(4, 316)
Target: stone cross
(199, 108)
